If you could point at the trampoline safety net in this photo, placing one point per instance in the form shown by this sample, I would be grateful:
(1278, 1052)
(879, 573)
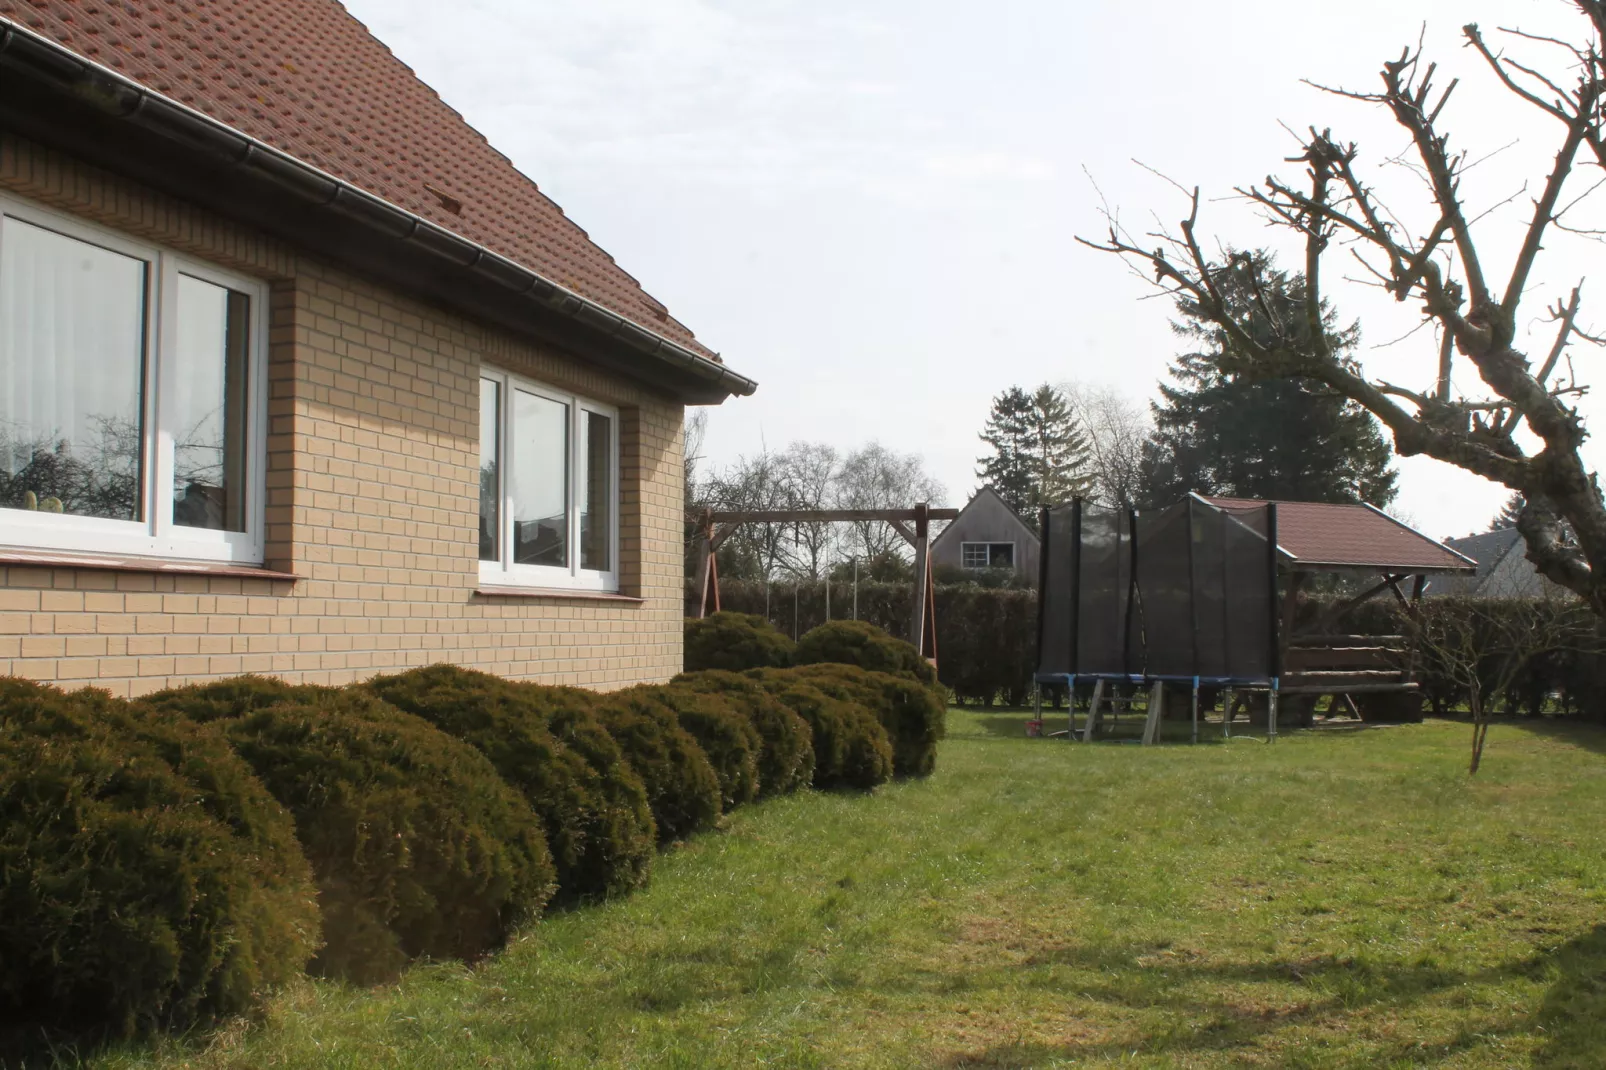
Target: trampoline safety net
(1180, 593)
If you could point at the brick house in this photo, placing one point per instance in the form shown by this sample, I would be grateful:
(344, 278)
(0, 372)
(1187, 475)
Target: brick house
(298, 375)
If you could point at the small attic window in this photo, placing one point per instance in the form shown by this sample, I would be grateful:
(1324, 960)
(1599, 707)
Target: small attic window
(447, 201)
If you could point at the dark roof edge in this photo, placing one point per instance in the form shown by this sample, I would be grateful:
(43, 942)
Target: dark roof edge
(64, 71)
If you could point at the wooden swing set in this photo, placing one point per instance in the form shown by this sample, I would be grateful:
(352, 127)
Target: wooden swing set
(914, 525)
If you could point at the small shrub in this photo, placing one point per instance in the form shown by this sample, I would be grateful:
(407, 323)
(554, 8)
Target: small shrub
(147, 878)
(734, 642)
(851, 749)
(786, 752)
(914, 716)
(857, 642)
(418, 846)
(726, 736)
(599, 830)
(682, 787)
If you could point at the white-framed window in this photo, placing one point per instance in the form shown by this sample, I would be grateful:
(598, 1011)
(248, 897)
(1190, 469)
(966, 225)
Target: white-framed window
(132, 395)
(549, 487)
(987, 554)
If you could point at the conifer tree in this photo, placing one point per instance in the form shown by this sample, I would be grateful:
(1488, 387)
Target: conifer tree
(1039, 453)
(1221, 431)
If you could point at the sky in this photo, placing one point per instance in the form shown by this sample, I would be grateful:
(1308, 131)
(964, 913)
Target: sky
(871, 206)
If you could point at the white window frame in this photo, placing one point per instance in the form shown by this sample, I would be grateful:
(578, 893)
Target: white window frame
(989, 543)
(503, 572)
(157, 535)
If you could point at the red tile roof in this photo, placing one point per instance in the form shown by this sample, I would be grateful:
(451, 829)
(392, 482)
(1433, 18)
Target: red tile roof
(307, 78)
(1318, 533)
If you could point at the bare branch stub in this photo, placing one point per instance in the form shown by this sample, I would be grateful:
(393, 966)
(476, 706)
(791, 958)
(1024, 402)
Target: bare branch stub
(1442, 267)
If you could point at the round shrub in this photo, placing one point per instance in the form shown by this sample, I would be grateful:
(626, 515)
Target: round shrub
(147, 878)
(857, 642)
(786, 742)
(600, 833)
(913, 716)
(851, 749)
(735, 641)
(418, 846)
(726, 736)
(682, 787)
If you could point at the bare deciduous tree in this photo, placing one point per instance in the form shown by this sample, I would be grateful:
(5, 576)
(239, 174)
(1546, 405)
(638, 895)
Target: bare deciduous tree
(874, 477)
(1436, 260)
(1116, 430)
(1482, 645)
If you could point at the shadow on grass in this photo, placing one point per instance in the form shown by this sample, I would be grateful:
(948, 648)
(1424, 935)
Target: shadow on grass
(1591, 736)
(1573, 1014)
(1571, 1018)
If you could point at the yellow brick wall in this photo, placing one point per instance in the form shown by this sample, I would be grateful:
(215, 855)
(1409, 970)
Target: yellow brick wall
(372, 502)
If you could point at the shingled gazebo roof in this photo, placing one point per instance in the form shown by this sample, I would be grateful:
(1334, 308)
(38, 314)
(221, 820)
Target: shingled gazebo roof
(1323, 536)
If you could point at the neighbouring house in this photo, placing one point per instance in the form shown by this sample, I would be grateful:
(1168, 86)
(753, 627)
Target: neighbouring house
(1504, 570)
(987, 534)
(299, 375)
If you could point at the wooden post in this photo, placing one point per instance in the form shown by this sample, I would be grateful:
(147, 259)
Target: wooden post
(1151, 723)
(1416, 627)
(922, 595)
(1093, 712)
(707, 570)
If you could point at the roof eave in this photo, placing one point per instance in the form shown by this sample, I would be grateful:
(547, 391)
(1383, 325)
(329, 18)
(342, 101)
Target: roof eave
(52, 95)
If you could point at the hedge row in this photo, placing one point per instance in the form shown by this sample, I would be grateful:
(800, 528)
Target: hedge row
(987, 639)
(168, 860)
(986, 636)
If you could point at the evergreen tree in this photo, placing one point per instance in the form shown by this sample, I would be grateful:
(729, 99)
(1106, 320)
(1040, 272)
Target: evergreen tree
(1039, 453)
(1219, 431)
(1008, 469)
(1509, 512)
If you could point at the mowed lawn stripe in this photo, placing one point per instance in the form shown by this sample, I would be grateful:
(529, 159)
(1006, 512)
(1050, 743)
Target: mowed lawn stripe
(1335, 900)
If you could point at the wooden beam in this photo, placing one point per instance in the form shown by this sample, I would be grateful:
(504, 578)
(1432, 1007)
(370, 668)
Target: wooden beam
(903, 529)
(829, 516)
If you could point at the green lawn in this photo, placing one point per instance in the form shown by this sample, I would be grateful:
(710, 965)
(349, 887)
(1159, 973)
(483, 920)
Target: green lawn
(1335, 900)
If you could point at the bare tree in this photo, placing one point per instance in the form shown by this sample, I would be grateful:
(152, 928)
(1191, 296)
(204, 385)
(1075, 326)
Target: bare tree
(1435, 260)
(1482, 646)
(752, 483)
(874, 477)
(1116, 430)
(808, 472)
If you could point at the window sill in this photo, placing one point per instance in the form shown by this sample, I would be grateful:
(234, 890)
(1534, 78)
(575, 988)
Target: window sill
(566, 594)
(107, 563)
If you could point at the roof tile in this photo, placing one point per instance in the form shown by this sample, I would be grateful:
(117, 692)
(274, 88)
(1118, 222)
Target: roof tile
(1351, 536)
(307, 78)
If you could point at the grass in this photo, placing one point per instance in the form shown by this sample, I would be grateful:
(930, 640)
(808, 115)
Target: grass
(1337, 900)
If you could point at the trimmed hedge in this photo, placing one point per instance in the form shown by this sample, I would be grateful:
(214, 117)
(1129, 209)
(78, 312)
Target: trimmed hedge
(418, 846)
(851, 749)
(682, 787)
(147, 879)
(857, 642)
(734, 642)
(600, 834)
(786, 752)
(914, 716)
(986, 636)
(726, 736)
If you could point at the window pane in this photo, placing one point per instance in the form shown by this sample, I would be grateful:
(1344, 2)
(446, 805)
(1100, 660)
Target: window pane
(1003, 555)
(490, 456)
(209, 396)
(540, 479)
(596, 480)
(72, 357)
(973, 554)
